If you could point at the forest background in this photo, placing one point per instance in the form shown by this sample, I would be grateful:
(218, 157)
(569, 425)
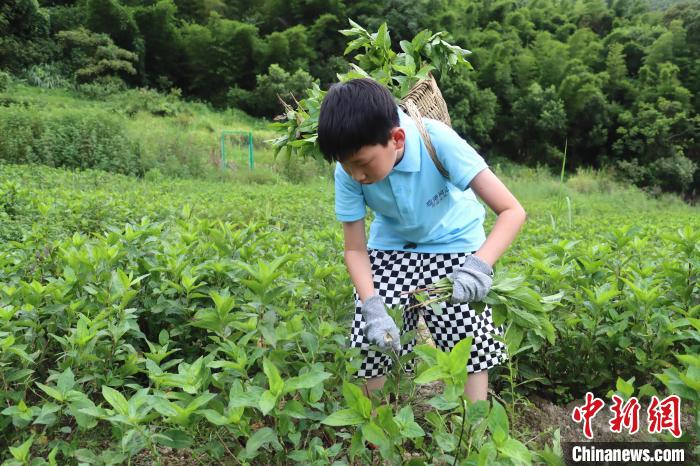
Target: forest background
(610, 83)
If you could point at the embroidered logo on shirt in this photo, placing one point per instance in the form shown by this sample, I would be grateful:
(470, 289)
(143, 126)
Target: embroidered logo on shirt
(437, 198)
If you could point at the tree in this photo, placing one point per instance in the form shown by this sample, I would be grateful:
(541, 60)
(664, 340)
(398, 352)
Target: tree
(92, 55)
(520, 22)
(24, 34)
(551, 56)
(618, 87)
(115, 20)
(586, 105)
(329, 46)
(164, 55)
(660, 51)
(541, 125)
(112, 18)
(192, 10)
(472, 110)
(594, 15)
(264, 101)
(290, 48)
(655, 145)
(615, 63)
(221, 55)
(585, 46)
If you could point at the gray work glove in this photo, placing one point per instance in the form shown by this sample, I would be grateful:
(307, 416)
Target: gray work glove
(381, 329)
(471, 281)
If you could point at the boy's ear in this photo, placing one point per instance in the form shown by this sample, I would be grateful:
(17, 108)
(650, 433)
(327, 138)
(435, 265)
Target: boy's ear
(398, 134)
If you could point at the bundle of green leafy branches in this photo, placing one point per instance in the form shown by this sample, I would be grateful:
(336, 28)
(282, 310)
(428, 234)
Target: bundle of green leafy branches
(426, 53)
(509, 298)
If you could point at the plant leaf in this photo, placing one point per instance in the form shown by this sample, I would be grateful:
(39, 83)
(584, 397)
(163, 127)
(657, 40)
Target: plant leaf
(344, 417)
(115, 399)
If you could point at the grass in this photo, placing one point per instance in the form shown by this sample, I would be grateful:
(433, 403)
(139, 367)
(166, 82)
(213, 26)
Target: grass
(591, 192)
(173, 132)
(178, 138)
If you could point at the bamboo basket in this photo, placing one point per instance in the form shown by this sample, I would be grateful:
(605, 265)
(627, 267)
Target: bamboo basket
(425, 100)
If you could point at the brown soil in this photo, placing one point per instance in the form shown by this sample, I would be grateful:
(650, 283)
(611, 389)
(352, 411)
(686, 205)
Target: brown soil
(170, 457)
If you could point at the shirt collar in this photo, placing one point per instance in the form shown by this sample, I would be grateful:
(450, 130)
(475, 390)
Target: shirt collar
(411, 155)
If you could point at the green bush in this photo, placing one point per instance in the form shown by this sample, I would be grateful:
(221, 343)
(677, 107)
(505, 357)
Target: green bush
(153, 130)
(68, 138)
(153, 174)
(47, 76)
(151, 101)
(588, 181)
(5, 80)
(674, 173)
(181, 154)
(102, 88)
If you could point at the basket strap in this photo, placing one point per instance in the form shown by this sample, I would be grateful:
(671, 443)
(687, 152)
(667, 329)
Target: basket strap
(415, 115)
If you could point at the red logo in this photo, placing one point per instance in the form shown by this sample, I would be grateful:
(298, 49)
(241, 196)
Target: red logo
(626, 415)
(587, 412)
(665, 415)
(661, 415)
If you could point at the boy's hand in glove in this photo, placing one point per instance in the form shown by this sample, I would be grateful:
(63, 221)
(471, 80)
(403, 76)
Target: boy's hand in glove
(471, 281)
(380, 324)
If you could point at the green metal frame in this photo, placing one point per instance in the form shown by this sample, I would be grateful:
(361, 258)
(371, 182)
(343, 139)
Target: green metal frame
(227, 132)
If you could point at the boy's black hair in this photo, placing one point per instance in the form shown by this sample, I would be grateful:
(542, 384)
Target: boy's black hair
(354, 114)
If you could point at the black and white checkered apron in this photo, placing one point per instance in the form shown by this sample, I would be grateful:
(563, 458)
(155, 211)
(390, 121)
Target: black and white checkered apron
(397, 271)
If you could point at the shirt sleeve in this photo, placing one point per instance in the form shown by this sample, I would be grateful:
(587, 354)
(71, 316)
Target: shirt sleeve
(460, 159)
(349, 200)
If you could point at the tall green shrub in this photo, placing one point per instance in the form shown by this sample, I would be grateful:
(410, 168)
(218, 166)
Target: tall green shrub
(67, 138)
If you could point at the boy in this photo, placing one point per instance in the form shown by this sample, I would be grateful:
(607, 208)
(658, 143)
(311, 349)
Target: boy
(425, 228)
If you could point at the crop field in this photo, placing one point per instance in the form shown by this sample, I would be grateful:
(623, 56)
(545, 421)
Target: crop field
(173, 285)
(203, 322)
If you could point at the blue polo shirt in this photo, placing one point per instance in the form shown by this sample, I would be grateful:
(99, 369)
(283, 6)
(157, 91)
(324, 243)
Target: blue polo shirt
(416, 208)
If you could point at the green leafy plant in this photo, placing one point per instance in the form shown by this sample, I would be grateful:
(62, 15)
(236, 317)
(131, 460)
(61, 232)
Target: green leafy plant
(425, 53)
(141, 288)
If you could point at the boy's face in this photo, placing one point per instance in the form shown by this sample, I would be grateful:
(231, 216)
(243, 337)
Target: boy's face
(373, 163)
